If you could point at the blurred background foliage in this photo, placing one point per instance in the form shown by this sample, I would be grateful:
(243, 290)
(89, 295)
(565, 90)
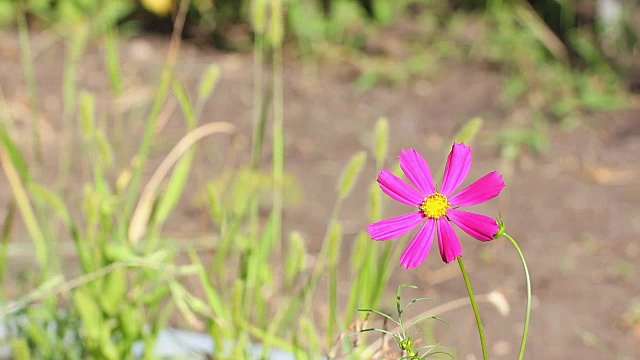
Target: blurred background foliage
(561, 58)
(558, 25)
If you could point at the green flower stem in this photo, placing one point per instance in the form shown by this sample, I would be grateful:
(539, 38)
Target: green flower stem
(475, 308)
(527, 315)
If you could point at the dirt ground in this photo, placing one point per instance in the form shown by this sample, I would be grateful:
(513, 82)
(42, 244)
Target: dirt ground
(573, 209)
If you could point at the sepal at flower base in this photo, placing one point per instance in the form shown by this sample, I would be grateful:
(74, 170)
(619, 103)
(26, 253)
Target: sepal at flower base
(501, 228)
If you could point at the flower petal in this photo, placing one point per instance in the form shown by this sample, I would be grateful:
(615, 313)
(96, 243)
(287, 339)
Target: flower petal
(478, 226)
(419, 247)
(398, 189)
(457, 168)
(417, 171)
(448, 241)
(480, 191)
(394, 227)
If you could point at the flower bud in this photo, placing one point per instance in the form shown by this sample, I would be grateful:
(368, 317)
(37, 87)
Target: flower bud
(406, 344)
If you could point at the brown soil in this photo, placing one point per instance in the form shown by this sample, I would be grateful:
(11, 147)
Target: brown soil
(573, 209)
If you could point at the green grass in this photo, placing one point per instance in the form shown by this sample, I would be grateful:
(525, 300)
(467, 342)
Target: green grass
(552, 81)
(255, 283)
(128, 282)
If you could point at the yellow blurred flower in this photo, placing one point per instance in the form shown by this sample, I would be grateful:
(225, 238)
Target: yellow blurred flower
(159, 7)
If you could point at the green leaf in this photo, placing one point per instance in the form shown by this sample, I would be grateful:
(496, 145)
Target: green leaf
(350, 174)
(598, 100)
(276, 32)
(246, 184)
(183, 301)
(258, 15)
(38, 335)
(118, 252)
(382, 140)
(335, 237)
(384, 10)
(375, 202)
(112, 59)
(87, 115)
(7, 12)
(156, 295)
(14, 154)
(360, 252)
(174, 188)
(5, 235)
(185, 103)
(208, 82)
(310, 331)
(213, 299)
(105, 148)
(90, 315)
(16, 181)
(20, 349)
(108, 349)
(53, 200)
(366, 81)
(114, 291)
(360, 288)
(215, 204)
(131, 321)
(110, 13)
(295, 259)
(469, 131)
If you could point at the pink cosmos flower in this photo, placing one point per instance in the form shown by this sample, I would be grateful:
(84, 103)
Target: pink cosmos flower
(436, 208)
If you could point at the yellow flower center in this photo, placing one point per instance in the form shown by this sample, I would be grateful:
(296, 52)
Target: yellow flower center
(435, 206)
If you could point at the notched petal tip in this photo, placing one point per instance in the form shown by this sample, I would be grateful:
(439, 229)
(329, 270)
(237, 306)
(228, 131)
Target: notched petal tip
(499, 179)
(460, 145)
(410, 265)
(456, 169)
